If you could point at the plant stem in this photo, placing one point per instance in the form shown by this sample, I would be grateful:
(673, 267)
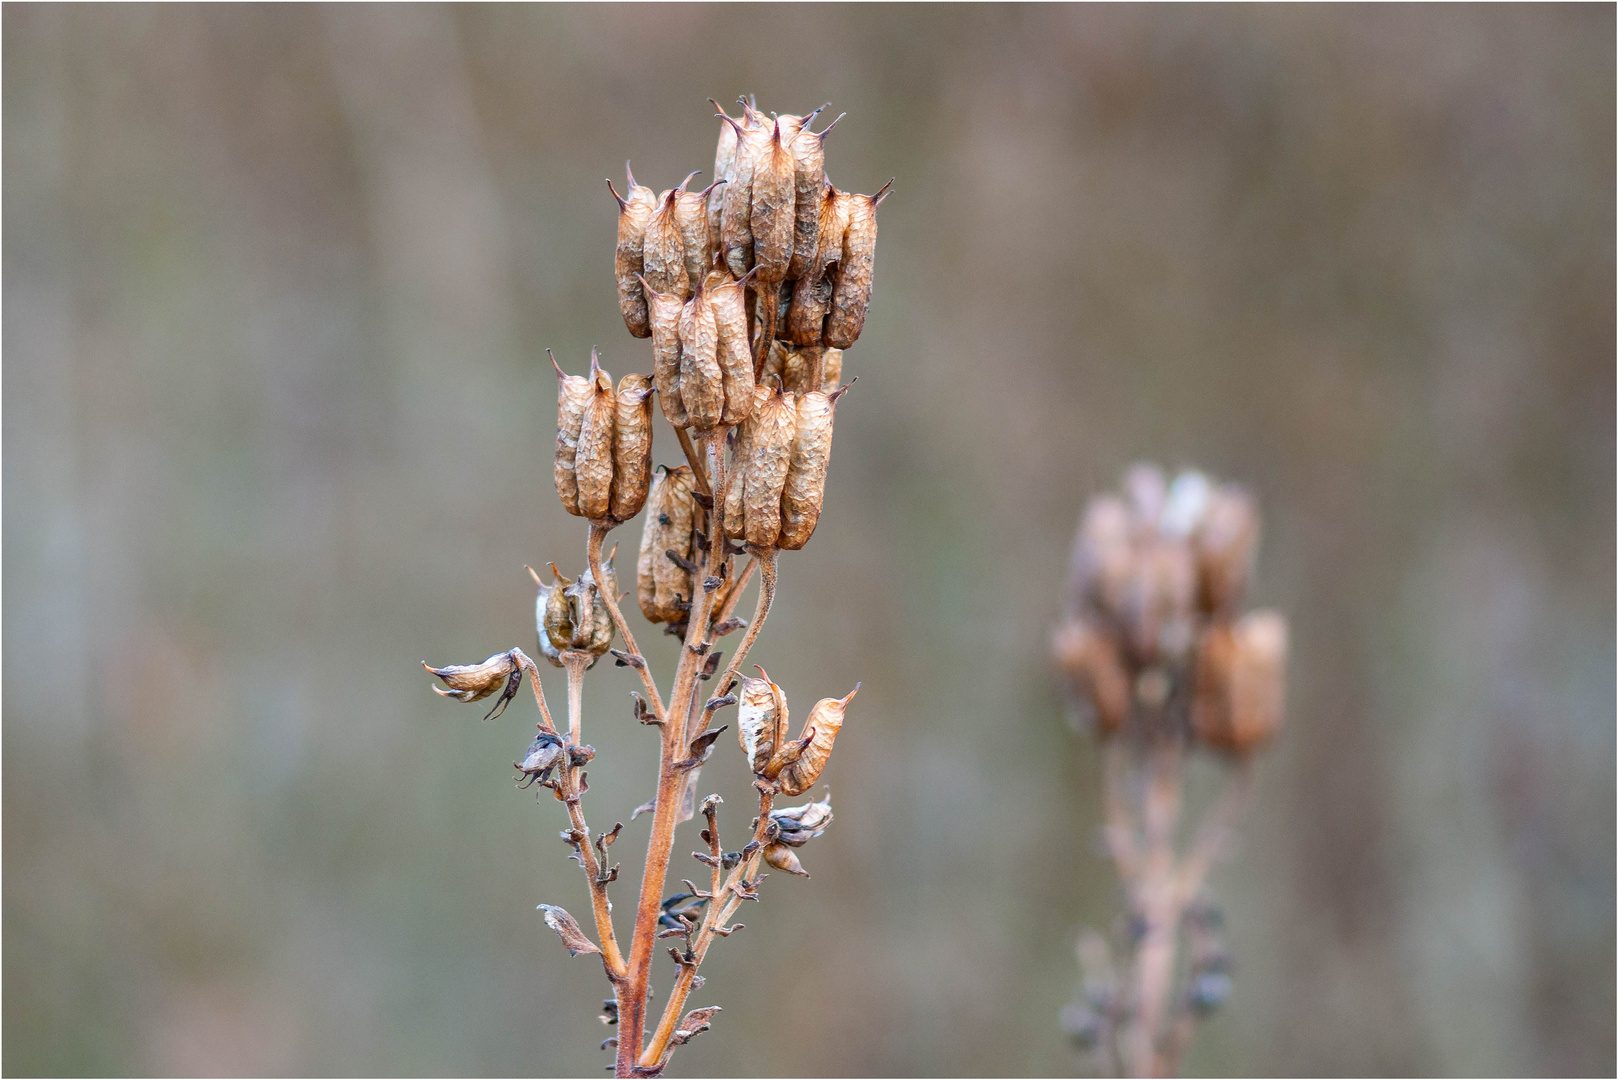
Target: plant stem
(598, 533)
(1156, 902)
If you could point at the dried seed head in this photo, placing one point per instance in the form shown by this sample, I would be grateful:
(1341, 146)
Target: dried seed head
(665, 316)
(1158, 608)
(1097, 679)
(771, 209)
(473, 682)
(800, 824)
(561, 624)
(851, 293)
(1241, 682)
(631, 447)
(1224, 541)
(811, 299)
(729, 301)
(761, 720)
(634, 212)
(691, 215)
(820, 729)
(764, 471)
(661, 585)
(665, 250)
(541, 756)
(702, 383)
(573, 396)
(593, 464)
(1103, 558)
(805, 487)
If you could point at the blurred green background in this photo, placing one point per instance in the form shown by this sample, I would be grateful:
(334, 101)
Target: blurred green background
(277, 426)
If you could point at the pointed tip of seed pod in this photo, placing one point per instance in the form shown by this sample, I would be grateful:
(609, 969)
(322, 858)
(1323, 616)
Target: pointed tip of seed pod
(622, 205)
(559, 576)
(745, 278)
(595, 362)
(822, 132)
(883, 192)
(649, 290)
(850, 695)
(630, 174)
(705, 191)
(534, 574)
(841, 390)
(694, 174)
(560, 374)
(719, 110)
(816, 113)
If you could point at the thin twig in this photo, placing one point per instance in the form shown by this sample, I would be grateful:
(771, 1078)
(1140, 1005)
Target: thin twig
(598, 533)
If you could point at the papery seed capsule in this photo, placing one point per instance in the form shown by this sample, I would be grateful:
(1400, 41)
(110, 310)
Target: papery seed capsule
(702, 383)
(735, 521)
(541, 606)
(835, 209)
(851, 294)
(593, 467)
(784, 859)
(631, 447)
(633, 214)
(753, 134)
(691, 215)
(600, 621)
(806, 313)
(573, 396)
(561, 624)
(761, 720)
(665, 250)
(805, 488)
(771, 209)
(1240, 682)
(735, 360)
(1224, 542)
(665, 317)
(769, 453)
(1095, 673)
(821, 728)
(831, 363)
(809, 185)
(724, 163)
(1159, 601)
(800, 824)
(473, 682)
(670, 514)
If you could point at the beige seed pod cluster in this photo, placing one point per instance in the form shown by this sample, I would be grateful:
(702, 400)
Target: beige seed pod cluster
(774, 499)
(571, 615)
(1151, 636)
(662, 586)
(700, 358)
(795, 367)
(762, 720)
(603, 443)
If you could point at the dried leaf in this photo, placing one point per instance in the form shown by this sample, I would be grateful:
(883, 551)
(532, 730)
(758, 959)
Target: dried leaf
(695, 1023)
(567, 928)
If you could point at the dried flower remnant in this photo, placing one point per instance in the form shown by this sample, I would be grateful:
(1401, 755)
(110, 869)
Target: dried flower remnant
(1157, 662)
(707, 275)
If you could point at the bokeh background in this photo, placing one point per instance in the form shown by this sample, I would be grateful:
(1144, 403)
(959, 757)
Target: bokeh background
(277, 426)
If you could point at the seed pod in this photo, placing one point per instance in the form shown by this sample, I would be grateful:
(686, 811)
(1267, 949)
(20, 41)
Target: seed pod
(784, 859)
(665, 249)
(724, 161)
(806, 316)
(665, 317)
(599, 624)
(593, 468)
(628, 259)
(809, 185)
(473, 682)
(1103, 558)
(1224, 542)
(775, 362)
(771, 209)
(574, 393)
(820, 729)
(1159, 601)
(831, 363)
(761, 720)
(561, 625)
(805, 488)
(631, 447)
(702, 383)
(691, 216)
(542, 605)
(851, 293)
(670, 513)
(1240, 682)
(735, 360)
(735, 521)
(769, 453)
(800, 824)
(1095, 672)
(753, 134)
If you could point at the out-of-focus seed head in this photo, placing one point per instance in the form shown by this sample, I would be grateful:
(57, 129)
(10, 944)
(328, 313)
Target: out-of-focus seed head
(666, 309)
(702, 383)
(1241, 683)
(1224, 542)
(1159, 602)
(634, 212)
(851, 292)
(764, 471)
(1103, 558)
(573, 396)
(593, 462)
(631, 447)
(825, 720)
(805, 487)
(1098, 682)
(662, 586)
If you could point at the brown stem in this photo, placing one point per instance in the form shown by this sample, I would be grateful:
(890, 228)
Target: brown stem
(766, 596)
(699, 472)
(598, 533)
(1156, 902)
(670, 789)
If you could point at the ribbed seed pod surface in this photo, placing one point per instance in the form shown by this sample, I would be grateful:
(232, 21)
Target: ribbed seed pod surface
(573, 394)
(808, 186)
(691, 215)
(753, 134)
(735, 359)
(831, 363)
(761, 720)
(665, 315)
(771, 209)
(631, 447)
(593, 466)
(702, 383)
(670, 517)
(634, 211)
(806, 472)
(851, 293)
(735, 509)
(664, 250)
(824, 722)
(769, 453)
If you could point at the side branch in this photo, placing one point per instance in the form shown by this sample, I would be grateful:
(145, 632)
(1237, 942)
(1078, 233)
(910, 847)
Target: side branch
(598, 533)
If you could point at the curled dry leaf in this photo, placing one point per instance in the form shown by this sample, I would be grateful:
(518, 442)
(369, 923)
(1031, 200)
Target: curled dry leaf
(694, 1023)
(567, 928)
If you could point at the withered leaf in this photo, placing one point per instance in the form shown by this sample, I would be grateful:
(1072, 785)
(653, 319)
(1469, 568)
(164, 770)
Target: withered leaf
(567, 928)
(695, 1023)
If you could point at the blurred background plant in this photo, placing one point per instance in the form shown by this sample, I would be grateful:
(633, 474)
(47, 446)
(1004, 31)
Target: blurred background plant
(277, 282)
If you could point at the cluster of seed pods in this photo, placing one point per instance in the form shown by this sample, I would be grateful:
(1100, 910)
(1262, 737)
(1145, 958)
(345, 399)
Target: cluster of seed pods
(1152, 634)
(571, 615)
(603, 460)
(761, 728)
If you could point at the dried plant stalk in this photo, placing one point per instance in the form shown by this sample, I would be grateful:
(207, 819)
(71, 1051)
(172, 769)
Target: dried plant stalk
(1156, 665)
(703, 274)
